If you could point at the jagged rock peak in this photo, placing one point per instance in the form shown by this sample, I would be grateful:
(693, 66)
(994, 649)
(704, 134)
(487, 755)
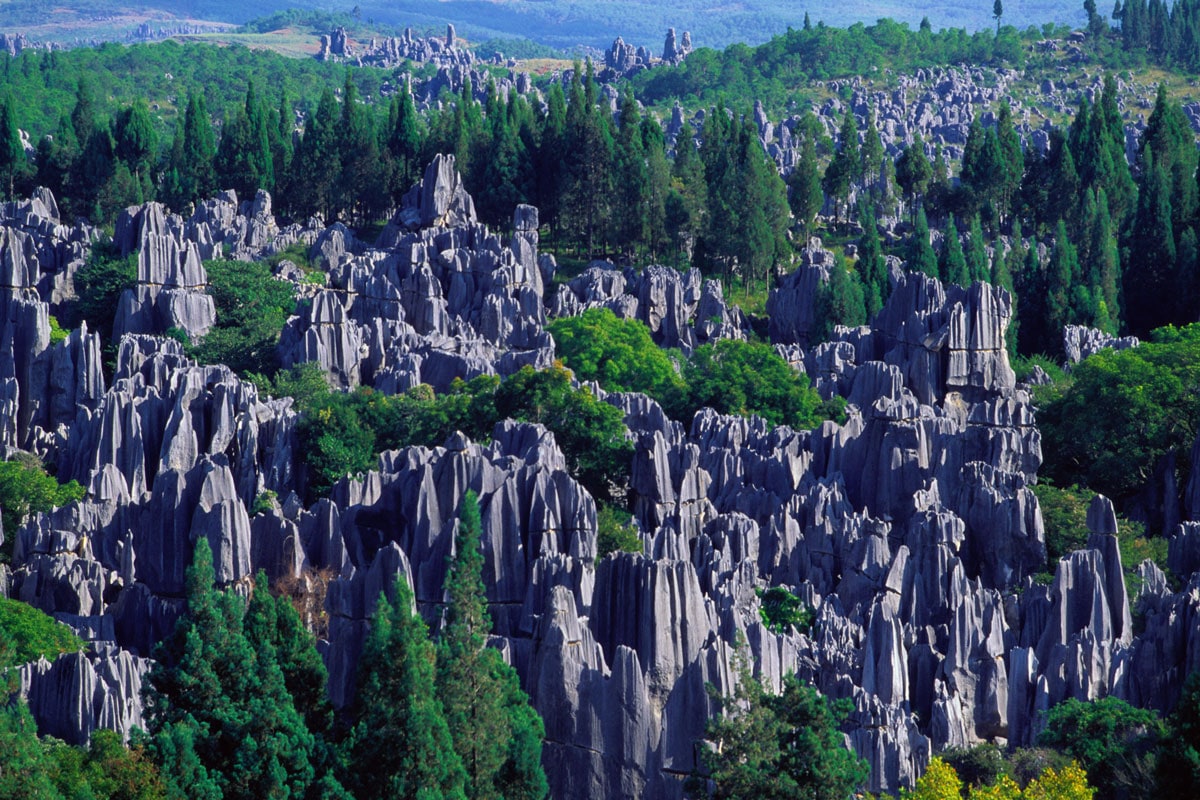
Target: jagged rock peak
(439, 200)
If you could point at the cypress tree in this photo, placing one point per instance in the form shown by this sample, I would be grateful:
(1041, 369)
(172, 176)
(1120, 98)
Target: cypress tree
(806, 197)
(1012, 158)
(282, 142)
(953, 265)
(840, 301)
(1062, 304)
(761, 208)
(871, 155)
(921, 257)
(137, 141)
(872, 269)
(978, 268)
(474, 683)
(233, 161)
(400, 745)
(12, 154)
(1148, 273)
(913, 171)
(658, 181)
(632, 180)
(316, 165)
(220, 712)
(199, 150)
(404, 143)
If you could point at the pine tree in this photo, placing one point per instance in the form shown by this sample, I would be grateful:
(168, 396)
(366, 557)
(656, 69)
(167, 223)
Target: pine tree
(12, 154)
(199, 149)
(953, 265)
(805, 196)
(404, 143)
(872, 269)
(1148, 273)
(913, 171)
(978, 268)
(316, 165)
(473, 680)
(137, 140)
(921, 257)
(400, 745)
(220, 712)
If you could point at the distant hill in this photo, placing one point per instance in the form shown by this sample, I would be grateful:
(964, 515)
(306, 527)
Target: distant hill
(560, 23)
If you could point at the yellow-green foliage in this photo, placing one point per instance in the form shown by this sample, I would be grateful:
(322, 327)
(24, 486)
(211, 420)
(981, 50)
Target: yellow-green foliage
(27, 634)
(941, 782)
(57, 334)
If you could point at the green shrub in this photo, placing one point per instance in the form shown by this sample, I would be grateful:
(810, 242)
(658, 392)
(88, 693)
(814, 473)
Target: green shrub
(618, 354)
(1114, 742)
(784, 612)
(615, 532)
(591, 434)
(57, 334)
(735, 377)
(27, 634)
(99, 284)
(252, 308)
(25, 488)
(1123, 412)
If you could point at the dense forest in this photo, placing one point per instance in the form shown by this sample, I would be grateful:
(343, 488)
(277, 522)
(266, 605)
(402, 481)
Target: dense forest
(1091, 231)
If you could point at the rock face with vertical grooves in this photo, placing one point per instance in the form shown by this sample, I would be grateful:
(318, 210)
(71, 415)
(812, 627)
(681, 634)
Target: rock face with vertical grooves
(911, 529)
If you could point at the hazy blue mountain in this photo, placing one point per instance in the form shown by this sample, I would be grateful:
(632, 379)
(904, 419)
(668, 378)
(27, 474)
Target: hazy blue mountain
(566, 23)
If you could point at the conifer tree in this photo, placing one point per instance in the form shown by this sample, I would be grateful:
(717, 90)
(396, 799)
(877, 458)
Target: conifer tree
(921, 257)
(404, 143)
(871, 155)
(1062, 277)
(474, 683)
(632, 181)
(805, 196)
(840, 301)
(400, 745)
(658, 181)
(282, 142)
(978, 268)
(316, 165)
(872, 269)
(1148, 274)
(953, 265)
(12, 154)
(220, 712)
(846, 167)
(914, 172)
(199, 150)
(137, 141)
